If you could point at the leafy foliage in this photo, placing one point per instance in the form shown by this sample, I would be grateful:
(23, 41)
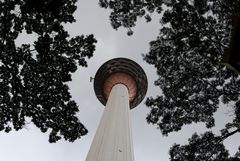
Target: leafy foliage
(126, 12)
(33, 81)
(206, 147)
(187, 56)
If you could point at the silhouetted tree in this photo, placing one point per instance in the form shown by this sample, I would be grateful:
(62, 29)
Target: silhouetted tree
(33, 77)
(187, 56)
(207, 147)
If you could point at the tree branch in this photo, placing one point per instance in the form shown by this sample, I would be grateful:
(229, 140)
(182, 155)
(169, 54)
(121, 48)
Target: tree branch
(230, 134)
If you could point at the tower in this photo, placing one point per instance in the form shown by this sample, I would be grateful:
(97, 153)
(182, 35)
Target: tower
(120, 84)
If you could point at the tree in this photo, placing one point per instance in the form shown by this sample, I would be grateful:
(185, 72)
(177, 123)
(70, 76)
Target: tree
(205, 147)
(33, 77)
(187, 56)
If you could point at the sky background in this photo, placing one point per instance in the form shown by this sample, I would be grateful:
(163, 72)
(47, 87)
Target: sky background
(29, 144)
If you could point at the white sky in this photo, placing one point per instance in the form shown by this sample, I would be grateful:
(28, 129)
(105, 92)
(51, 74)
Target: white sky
(30, 144)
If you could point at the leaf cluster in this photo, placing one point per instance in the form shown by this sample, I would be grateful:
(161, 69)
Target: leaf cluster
(33, 77)
(187, 55)
(207, 147)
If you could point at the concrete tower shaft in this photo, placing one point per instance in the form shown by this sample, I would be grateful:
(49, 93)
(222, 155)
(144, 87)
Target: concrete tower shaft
(120, 84)
(112, 141)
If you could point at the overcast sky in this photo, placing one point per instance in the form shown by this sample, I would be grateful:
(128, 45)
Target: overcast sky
(30, 144)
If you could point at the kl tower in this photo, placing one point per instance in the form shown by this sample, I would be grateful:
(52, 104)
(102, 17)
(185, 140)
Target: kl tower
(120, 84)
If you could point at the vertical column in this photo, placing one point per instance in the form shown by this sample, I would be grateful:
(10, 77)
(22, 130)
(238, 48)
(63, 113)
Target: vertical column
(113, 140)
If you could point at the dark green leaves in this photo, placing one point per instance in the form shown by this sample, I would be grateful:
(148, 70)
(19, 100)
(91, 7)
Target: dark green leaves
(187, 55)
(207, 147)
(33, 81)
(126, 12)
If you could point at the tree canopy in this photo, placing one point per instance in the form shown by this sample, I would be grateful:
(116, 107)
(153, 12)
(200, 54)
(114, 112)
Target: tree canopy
(187, 55)
(33, 77)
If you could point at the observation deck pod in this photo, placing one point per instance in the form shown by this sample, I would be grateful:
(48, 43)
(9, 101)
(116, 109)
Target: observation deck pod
(121, 71)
